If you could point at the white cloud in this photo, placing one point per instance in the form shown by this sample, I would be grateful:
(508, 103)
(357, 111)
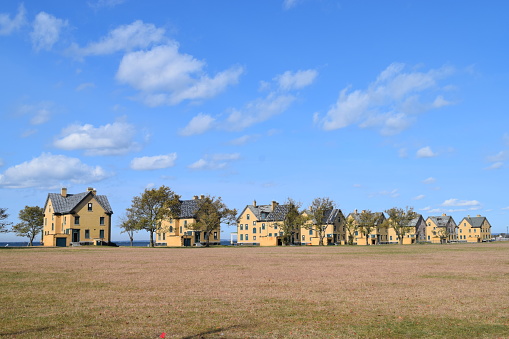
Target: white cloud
(258, 111)
(244, 139)
(46, 31)
(388, 102)
(165, 76)
(154, 162)
(495, 165)
(500, 156)
(456, 202)
(198, 125)
(296, 80)
(110, 139)
(123, 38)
(419, 197)
(393, 194)
(50, 170)
(8, 25)
(84, 86)
(426, 152)
(506, 208)
(105, 3)
(40, 112)
(214, 161)
(429, 180)
(287, 4)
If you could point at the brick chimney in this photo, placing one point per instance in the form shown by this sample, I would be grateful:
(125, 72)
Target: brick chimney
(254, 203)
(91, 189)
(444, 215)
(63, 192)
(195, 197)
(274, 204)
(202, 196)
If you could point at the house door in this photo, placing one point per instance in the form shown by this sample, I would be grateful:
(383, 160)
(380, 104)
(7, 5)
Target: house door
(75, 235)
(187, 242)
(196, 237)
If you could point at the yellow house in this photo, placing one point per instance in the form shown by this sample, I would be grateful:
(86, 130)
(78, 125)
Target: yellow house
(416, 231)
(441, 229)
(474, 229)
(76, 219)
(375, 236)
(333, 225)
(176, 231)
(260, 225)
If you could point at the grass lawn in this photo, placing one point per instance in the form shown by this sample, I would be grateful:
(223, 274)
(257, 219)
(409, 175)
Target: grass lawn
(412, 291)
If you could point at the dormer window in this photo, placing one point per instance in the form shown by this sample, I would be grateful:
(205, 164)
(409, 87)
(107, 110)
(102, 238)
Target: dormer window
(90, 206)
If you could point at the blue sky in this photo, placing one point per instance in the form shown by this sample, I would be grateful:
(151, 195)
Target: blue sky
(374, 104)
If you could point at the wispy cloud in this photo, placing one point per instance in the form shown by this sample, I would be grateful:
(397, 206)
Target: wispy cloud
(296, 80)
(40, 112)
(214, 161)
(8, 25)
(388, 103)
(457, 202)
(288, 4)
(84, 86)
(198, 125)
(392, 194)
(419, 197)
(104, 3)
(136, 35)
(425, 152)
(49, 171)
(429, 180)
(111, 139)
(154, 162)
(46, 31)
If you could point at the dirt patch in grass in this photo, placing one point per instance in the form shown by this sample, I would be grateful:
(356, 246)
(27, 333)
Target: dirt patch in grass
(437, 291)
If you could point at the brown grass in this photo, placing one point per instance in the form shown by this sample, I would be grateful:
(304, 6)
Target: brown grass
(431, 291)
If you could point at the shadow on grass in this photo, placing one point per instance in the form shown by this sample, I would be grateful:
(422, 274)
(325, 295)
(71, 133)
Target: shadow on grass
(32, 330)
(215, 330)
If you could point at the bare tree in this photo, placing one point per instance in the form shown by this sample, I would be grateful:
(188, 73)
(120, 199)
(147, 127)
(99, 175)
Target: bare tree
(211, 213)
(128, 224)
(318, 213)
(32, 222)
(150, 208)
(399, 220)
(351, 226)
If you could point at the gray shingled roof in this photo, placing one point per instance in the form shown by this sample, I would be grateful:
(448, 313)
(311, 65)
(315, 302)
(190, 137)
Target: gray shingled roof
(329, 215)
(64, 205)
(188, 208)
(475, 221)
(380, 217)
(278, 213)
(443, 220)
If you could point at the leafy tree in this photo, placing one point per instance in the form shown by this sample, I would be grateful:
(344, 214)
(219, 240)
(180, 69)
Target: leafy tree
(4, 224)
(128, 224)
(148, 210)
(367, 220)
(32, 222)
(211, 213)
(351, 227)
(318, 211)
(399, 220)
(292, 220)
(443, 233)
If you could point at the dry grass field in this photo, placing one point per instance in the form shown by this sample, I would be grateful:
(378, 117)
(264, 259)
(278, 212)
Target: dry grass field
(420, 291)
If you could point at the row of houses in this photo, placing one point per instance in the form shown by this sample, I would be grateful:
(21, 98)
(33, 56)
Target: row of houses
(86, 218)
(261, 225)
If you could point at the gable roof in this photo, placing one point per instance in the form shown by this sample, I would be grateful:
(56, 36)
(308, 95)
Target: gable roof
(415, 221)
(67, 204)
(188, 208)
(443, 220)
(329, 215)
(380, 217)
(265, 212)
(475, 221)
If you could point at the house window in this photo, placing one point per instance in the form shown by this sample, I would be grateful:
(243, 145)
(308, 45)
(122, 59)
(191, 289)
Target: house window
(248, 217)
(275, 227)
(246, 227)
(303, 237)
(310, 232)
(254, 238)
(247, 236)
(215, 235)
(76, 220)
(254, 229)
(158, 236)
(391, 237)
(52, 226)
(164, 236)
(180, 229)
(241, 227)
(263, 226)
(270, 234)
(65, 220)
(171, 229)
(254, 223)
(101, 220)
(185, 223)
(242, 237)
(101, 234)
(89, 206)
(87, 234)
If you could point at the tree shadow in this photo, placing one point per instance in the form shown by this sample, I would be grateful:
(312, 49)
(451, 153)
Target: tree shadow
(32, 330)
(213, 331)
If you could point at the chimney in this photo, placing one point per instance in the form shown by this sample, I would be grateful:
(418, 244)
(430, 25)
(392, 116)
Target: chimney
(274, 204)
(478, 215)
(63, 192)
(202, 196)
(91, 189)
(355, 211)
(444, 215)
(254, 203)
(195, 197)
